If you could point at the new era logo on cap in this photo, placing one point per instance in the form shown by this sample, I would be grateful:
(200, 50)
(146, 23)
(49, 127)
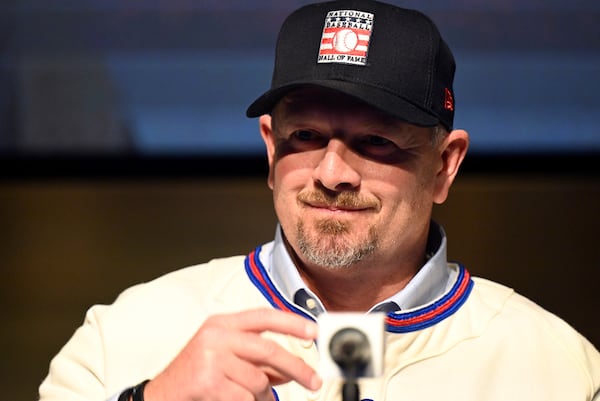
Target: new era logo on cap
(448, 100)
(346, 35)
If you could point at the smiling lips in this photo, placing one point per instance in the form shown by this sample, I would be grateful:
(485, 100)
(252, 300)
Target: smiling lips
(336, 207)
(343, 201)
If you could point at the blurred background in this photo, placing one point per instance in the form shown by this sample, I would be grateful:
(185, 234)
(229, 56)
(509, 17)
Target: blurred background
(125, 152)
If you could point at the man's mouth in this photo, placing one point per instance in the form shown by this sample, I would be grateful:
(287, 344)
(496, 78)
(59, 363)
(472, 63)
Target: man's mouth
(342, 202)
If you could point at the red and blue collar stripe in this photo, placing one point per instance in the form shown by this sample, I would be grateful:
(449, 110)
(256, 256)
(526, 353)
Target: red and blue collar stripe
(417, 319)
(396, 322)
(259, 277)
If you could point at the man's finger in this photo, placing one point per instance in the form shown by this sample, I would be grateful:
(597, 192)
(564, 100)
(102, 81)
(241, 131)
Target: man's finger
(279, 362)
(266, 319)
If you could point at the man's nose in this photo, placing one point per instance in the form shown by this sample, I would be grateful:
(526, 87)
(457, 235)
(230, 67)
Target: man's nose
(335, 170)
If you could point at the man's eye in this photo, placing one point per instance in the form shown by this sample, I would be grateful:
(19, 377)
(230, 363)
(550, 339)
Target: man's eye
(304, 135)
(301, 141)
(307, 140)
(380, 149)
(376, 140)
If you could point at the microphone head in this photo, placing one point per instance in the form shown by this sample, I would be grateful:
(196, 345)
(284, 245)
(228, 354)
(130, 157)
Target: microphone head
(351, 351)
(351, 344)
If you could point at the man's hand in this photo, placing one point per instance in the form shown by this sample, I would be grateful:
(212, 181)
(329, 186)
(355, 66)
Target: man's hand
(228, 359)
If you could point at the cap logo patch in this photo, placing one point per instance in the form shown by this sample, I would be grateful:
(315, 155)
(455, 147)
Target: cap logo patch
(346, 36)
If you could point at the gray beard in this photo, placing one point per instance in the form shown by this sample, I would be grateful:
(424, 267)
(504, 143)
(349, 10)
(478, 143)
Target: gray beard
(329, 248)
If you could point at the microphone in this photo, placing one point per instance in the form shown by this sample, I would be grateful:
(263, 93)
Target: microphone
(351, 347)
(351, 351)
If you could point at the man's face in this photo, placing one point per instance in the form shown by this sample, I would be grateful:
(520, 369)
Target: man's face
(350, 184)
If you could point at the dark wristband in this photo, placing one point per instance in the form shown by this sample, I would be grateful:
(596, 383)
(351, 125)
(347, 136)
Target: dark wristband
(138, 391)
(135, 393)
(126, 394)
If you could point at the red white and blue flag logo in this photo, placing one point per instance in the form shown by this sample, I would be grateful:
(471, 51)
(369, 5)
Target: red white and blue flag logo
(346, 36)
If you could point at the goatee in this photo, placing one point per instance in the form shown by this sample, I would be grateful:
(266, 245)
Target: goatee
(330, 247)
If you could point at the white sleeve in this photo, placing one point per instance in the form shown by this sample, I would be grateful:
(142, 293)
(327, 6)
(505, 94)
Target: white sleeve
(115, 397)
(77, 371)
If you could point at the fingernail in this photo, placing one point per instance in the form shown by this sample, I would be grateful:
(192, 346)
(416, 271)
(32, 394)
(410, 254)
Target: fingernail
(315, 382)
(311, 330)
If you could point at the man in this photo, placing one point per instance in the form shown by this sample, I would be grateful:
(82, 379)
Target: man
(358, 128)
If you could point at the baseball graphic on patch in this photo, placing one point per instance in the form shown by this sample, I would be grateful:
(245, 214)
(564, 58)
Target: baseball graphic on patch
(346, 36)
(345, 41)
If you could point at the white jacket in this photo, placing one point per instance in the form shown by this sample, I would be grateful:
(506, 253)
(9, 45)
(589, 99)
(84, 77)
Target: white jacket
(478, 342)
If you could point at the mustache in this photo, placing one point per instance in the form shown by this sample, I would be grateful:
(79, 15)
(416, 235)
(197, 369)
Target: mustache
(343, 199)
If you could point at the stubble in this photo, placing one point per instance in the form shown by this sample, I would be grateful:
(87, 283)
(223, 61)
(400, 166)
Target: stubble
(331, 244)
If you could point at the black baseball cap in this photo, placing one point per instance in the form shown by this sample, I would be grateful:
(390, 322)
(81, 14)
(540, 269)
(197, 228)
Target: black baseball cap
(391, 58)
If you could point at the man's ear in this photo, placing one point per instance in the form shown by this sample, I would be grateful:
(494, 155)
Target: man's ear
(266, 132)
(454, 150)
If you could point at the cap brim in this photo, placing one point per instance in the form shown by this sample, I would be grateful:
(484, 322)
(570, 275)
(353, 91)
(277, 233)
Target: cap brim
(375, 97)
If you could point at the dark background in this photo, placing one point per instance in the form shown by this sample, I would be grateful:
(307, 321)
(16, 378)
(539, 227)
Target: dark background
(158, 77)
(125, 153)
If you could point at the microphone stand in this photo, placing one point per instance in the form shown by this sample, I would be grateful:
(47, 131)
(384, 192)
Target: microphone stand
(350, 391)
